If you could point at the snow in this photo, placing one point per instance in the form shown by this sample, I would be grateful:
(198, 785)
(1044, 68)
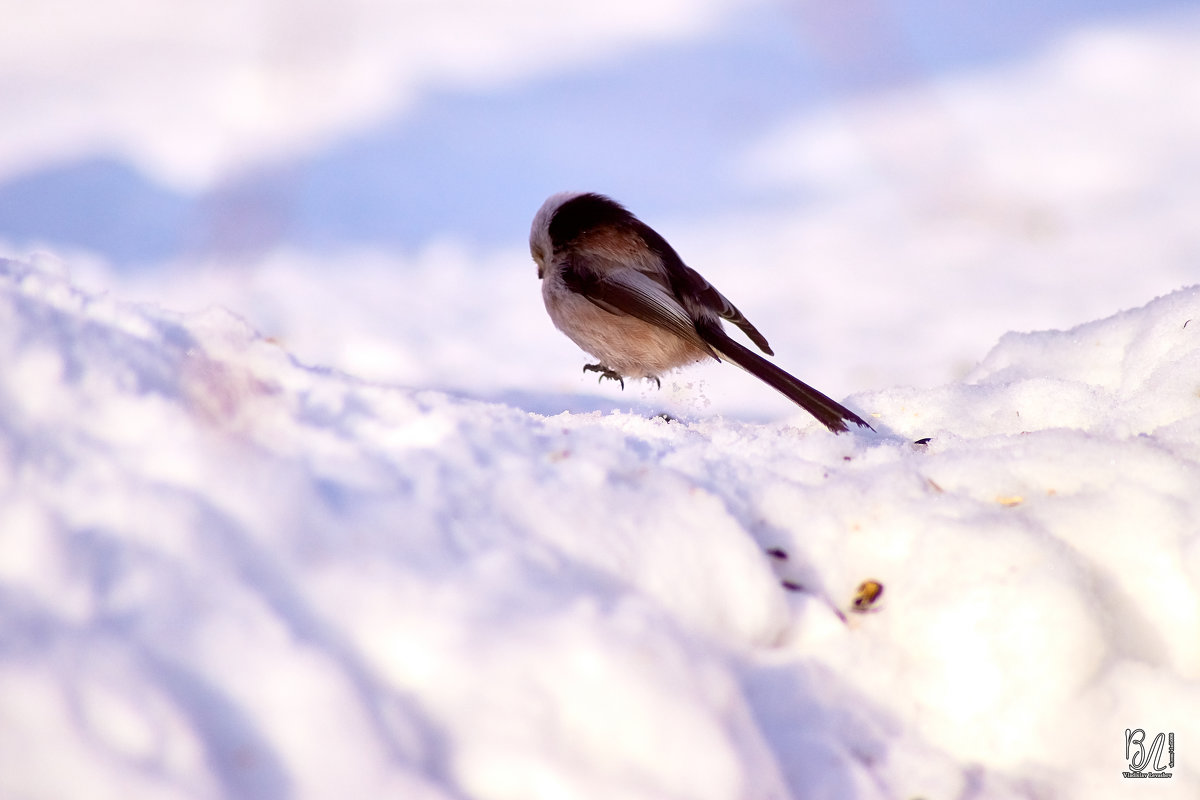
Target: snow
(228, 573)
(301, 495)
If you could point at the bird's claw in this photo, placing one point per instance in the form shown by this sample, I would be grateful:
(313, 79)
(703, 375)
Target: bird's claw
(605, 372)
(613, 375)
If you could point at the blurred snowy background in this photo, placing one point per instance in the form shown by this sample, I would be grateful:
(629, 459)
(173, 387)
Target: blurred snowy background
(884, 187)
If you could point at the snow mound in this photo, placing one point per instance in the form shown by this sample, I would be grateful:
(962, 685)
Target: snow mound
(226, 573)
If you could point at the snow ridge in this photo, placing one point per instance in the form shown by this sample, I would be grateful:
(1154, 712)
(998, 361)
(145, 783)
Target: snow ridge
(226, 573)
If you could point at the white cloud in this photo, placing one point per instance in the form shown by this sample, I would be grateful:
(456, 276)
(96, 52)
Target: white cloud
(191, 90)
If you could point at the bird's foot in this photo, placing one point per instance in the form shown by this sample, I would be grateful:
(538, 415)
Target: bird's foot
(605, 372)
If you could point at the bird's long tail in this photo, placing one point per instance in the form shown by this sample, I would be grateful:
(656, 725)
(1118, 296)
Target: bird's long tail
(829, 412)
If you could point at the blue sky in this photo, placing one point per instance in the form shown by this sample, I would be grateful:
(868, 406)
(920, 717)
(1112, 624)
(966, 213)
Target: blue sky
(660, 127)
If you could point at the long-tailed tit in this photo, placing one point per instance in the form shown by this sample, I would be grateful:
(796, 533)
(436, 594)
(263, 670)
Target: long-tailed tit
(620, 292)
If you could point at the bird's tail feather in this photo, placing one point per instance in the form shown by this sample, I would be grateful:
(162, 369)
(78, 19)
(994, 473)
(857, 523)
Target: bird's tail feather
(829, 412)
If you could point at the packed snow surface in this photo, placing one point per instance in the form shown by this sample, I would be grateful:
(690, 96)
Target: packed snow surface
(226, 573)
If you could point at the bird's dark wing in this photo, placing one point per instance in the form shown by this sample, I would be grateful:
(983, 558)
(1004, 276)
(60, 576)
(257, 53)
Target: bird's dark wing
(625, 290)
(694, 291)
(693, 284)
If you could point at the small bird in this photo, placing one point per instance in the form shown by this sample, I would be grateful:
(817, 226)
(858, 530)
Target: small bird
(619, 291)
